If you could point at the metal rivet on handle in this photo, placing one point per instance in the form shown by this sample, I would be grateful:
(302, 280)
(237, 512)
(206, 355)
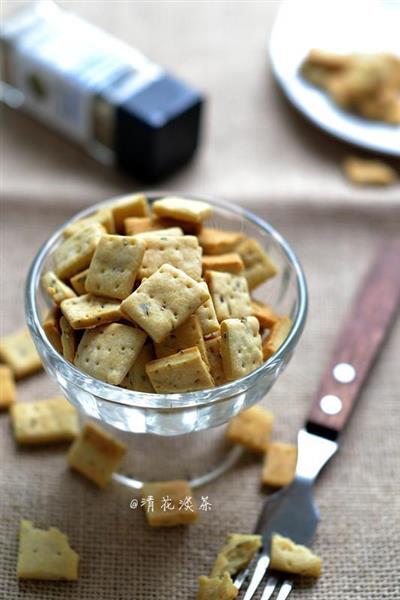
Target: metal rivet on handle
(330, 404)
(344, 373)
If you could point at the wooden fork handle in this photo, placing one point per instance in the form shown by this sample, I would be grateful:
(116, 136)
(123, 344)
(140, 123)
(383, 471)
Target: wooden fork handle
(358, 343)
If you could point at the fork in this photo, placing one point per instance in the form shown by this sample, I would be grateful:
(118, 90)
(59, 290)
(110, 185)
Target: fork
(291, 511)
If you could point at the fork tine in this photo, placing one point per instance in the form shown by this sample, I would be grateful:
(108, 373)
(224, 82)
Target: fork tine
(259, 572)
(285, 590)
(270, 587)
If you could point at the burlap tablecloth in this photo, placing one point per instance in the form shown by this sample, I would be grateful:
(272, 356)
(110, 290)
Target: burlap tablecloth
(259, 152)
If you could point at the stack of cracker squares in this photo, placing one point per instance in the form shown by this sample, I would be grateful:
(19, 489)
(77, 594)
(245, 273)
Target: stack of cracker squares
(154, 301)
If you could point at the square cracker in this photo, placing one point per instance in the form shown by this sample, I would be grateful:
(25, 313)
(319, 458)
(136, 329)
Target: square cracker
(293, 558)
(55, 288)
(252, 428)
(164, 301)
(169, 232)
(279, 464)
(206, 314)
(89, 311)
(52, 328)
(78, 282)
(229, 263)
(44, 421)
(45, 554)
(182, 252)
(96, 454)
(258, 267)
(265, 314)
(187, 335)
(108, 352)
(103, 216)
(131, 205)
(276, 337)
(19, 352)
(136, 378)
(114, 266)
(214, 359)
(68, 340)
(169, 503)
(76, 252)
(7, 387)
(184, 371)
(135, 225)
(230, 295)
(194, 211)
(216, 241)
(240, 347)
(217, 588)
(368, 172)
(188, 227)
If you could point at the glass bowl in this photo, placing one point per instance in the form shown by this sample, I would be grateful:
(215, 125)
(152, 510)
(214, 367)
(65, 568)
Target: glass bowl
(184, 413)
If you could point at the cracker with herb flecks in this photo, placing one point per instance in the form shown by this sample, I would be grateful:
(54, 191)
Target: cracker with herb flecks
(57, 289)
(78, 282)
(182, 252)
(240, 347)
(217, 588)
(45, 554)
(252, 428)
(52, 328)
(228, 263)
(194, 211)
(7, 387)
(236, 553)
(214, 359)
(217, 241)
(131, 205)
(76, 252)
(184, 371)
(96, 454)
(109, 351)
(44, 421)
(68, 340)
(258, 267)
(173, 503)
(114, 266)
(230, 295)
(19, 352)
(276, 337)
(164, 301)
(206, 314)
(293, 558)
(88, 311)
(279, 464)
(137, 378)
(187, 335)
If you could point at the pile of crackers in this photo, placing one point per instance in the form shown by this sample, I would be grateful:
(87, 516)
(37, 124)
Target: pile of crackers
(365, 84)
(152, 300)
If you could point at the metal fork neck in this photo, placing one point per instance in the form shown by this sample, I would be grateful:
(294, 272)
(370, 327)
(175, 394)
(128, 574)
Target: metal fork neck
(314, 452)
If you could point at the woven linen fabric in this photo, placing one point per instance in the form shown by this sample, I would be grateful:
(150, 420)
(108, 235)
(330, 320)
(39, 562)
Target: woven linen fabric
(120, 556)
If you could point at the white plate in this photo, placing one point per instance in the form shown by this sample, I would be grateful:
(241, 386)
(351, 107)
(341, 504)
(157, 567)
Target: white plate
(342, 26)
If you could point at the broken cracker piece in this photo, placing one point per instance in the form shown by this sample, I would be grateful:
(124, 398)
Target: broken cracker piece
(109, 351)
(194, 211)
(172, 501)
(276, 337)
(90, 311)
(241, 349)
(217, 588)
(7, 387)
(230, 295)
(96, 454)
(252, 428)
(19, 352)
(279, 464)
(184, 371)
(57, 289)
(293, 558)
(236, 554)
(44, 421)
(164, 301)
(258, 266)
(114, 266)
(369, 172)
(45, 554)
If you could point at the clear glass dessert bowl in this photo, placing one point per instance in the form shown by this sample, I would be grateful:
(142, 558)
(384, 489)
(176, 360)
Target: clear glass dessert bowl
(165, 416)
